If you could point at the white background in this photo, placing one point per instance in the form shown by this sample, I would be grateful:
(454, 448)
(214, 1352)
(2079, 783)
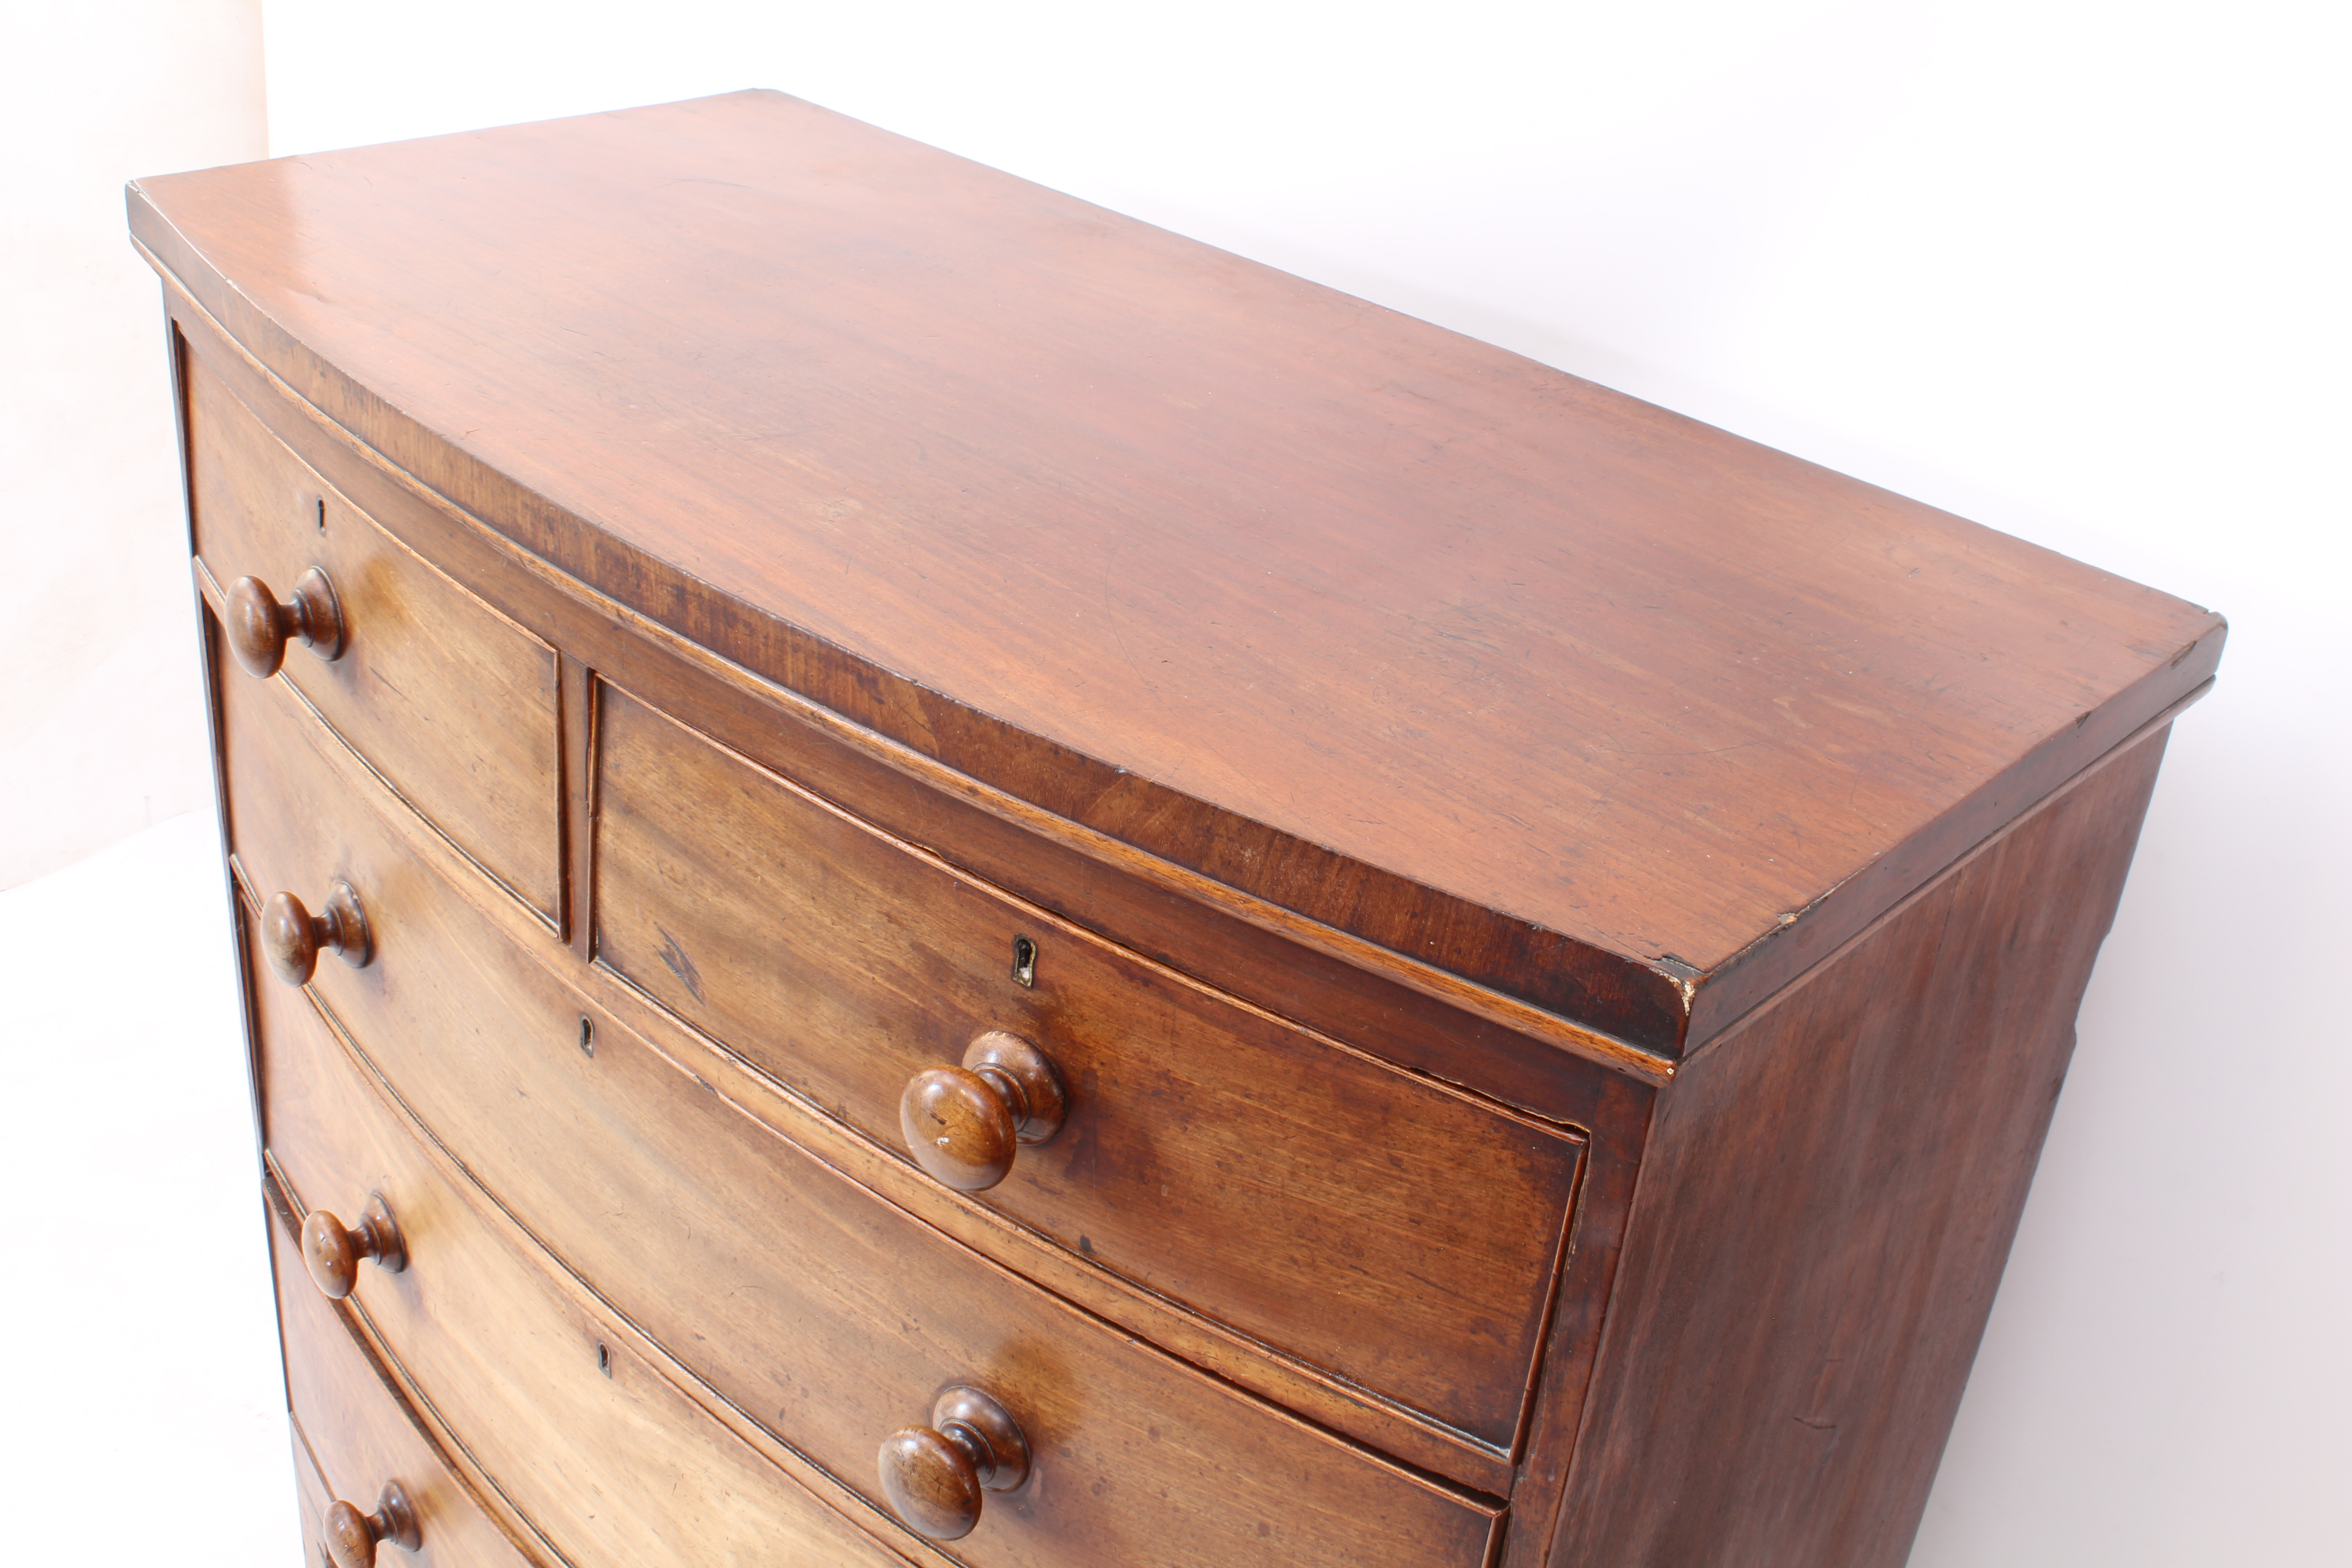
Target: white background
(101, 722)
(2076, 270)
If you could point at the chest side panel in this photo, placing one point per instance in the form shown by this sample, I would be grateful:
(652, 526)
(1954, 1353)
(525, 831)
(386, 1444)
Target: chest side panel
(1825, 1205)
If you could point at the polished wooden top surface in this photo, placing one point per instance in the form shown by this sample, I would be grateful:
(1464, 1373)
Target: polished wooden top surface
(1564, 693)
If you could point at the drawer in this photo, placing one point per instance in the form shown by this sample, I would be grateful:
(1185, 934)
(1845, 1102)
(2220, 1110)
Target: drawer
(1375, 1224)
(313, 1497)
(825, 1314)
(354, 1435)
(451, 702)
(604, 1455)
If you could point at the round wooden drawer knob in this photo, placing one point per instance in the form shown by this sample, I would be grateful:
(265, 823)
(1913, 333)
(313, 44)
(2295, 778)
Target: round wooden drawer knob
(963, 1123)
(258, 625)
(333, 1250)
(352, 1536)
(934, 1475)
(292, 937)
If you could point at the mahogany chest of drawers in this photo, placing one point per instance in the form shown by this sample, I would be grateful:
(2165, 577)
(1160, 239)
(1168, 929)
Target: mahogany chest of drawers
(929, 877)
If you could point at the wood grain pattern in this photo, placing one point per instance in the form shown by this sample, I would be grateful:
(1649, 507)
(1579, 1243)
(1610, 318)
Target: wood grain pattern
(1558, 926)
(354, 1533)
(795, 1293)
(578, 712)
(964, 1124)
(312, 1498)
(1398, 1007)
(291, 937)
(1400, 1235)
(832, 1314)
(333, 1250)
(938, 1474)
(355, 1432)
(1826, 1202)
(259, 626)
(600, 1454)
(451, 701)
(1624, 707)
(447, 1030)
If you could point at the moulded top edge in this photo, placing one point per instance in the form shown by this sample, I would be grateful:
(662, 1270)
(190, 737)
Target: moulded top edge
(1447, 650)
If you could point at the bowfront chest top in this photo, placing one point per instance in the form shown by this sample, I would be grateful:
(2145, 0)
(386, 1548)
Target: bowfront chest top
(927, 876)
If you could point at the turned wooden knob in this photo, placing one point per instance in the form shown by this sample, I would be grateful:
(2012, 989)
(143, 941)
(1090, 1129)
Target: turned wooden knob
(934, 1475)
(352, 1536)
(292, 937)
(963, 1123)
(333, 1251)
(258, 625)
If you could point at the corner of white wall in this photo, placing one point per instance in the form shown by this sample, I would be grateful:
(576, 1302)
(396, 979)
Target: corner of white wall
(102, 728)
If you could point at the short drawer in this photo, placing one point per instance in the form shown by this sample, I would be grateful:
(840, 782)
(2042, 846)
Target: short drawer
(355, 1436)
(1375, 1223)
(450, 700)
(828, 1316)
(606, 1458)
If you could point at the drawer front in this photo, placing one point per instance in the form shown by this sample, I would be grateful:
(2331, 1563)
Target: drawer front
(606, 1459)
(450, 700)
(312, 1498)
(824, 1313)
(353, 1434)
(1372, 1223)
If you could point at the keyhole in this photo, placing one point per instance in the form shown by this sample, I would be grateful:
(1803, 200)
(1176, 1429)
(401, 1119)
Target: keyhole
(587, 1037)
(603, 1360)
(1024, 960)
(322, 514)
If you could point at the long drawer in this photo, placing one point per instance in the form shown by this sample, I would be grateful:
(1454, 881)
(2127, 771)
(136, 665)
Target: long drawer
(604, 1456)
(448, 699)
(1370, 1222)
(354, 1435)
(827, 1314)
